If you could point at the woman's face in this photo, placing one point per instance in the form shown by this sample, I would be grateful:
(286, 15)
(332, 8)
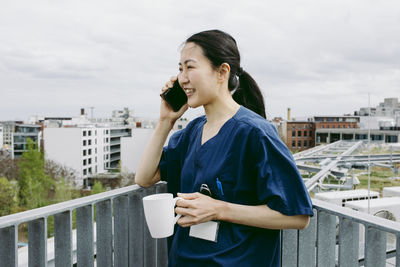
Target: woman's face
(197, 76)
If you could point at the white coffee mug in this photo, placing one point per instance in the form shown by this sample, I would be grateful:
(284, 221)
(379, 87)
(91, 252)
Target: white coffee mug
(160, 215)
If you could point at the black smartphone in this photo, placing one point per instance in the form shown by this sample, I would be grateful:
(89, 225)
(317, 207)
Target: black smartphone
(175, 96)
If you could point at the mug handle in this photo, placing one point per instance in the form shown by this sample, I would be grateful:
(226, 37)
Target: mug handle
(178, 215)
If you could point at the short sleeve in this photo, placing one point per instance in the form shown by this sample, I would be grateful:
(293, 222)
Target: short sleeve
(171, 161)
(279, 183)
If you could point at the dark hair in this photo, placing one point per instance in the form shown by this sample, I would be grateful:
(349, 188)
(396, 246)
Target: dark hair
(219, 47)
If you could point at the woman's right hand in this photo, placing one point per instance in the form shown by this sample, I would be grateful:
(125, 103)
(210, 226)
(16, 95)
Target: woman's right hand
(166, 112)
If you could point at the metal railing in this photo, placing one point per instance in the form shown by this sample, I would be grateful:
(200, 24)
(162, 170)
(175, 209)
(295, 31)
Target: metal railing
(338, 236)
(118, 236)
(122, 237)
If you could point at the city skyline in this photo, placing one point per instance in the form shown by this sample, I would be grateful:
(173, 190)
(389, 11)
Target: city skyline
(318, 58)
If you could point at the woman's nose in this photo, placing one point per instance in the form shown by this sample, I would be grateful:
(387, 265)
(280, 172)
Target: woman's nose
(182, 77)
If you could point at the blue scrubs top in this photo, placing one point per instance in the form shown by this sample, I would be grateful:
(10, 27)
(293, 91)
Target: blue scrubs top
(254, 167)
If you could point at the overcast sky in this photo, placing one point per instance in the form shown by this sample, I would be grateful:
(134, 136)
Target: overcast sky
(316, 57)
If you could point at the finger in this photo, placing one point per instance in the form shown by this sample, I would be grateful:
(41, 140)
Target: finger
(184, 211)
(173, 78)
(190, 196)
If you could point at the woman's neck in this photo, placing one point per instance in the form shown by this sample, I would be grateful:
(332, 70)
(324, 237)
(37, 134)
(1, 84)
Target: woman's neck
(221, 110)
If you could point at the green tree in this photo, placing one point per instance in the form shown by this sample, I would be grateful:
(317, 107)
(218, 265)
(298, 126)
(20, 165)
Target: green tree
(97, 188)
(63, 192)
(33, 183)
(8, 196)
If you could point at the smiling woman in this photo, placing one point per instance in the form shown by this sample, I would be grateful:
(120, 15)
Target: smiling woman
(253, 186)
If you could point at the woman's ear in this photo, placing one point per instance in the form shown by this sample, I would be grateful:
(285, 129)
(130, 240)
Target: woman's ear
(224, 72)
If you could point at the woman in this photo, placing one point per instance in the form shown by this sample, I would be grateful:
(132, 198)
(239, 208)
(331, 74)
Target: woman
(233, 150)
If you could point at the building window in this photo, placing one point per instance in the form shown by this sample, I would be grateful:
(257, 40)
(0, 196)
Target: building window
(90, 142)
(89, 152)
(310, 143)
(89, 161)
(95, 160)
(310, 133)
(293, 143)
(84, 162)
(84, 171)
(84, 133)
(84, 142)
(95, 132)
(299, 143)
(299, 133)
(305, 143)
(95, 150)
(90, 133)
(293, 133)
(84, 152)
(305, 133)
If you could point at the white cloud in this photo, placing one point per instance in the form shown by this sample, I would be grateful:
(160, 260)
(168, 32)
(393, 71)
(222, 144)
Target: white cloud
(317, 57)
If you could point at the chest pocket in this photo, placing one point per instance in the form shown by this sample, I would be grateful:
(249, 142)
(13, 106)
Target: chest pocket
(224, 186)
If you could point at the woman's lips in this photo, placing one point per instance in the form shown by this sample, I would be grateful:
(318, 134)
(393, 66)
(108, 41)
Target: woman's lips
(189, 91)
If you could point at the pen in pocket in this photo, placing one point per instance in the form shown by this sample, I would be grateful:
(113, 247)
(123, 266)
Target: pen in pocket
(219, 185)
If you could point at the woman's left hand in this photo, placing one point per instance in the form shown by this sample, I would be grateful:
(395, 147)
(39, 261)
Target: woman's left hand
(196, 208)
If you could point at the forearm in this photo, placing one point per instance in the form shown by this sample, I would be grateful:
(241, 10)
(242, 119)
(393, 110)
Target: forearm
(259, 216)
(147, 173)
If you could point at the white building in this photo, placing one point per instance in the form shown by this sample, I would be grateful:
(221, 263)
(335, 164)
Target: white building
(1, 136)
(133, 147)
(88, 150)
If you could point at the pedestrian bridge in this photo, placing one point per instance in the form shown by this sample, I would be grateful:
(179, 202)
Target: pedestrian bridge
(111, 231)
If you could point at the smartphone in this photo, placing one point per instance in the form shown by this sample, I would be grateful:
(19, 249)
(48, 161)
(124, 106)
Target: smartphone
(175, 96)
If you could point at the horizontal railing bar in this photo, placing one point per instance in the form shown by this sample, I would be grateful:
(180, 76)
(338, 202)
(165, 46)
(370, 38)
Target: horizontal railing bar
(389, 254)
(363, 218)
(15, 219)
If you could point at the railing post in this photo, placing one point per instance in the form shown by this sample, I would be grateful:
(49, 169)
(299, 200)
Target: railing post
(8, 246)
(136, 228)
(37, 249)
(375, 247)
(104, 247)
(326, 239)
(63, 239)
(162, 245)
(348, 243)
(398, 250)
(150, 244)
(120, 205)
(289, 248)
(84, 231)
(307, 243)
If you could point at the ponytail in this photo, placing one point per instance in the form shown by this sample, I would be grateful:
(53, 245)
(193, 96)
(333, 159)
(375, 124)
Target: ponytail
(249, 95)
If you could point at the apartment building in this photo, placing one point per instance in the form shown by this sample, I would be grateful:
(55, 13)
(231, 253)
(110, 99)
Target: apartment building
(89, 150)
(300, 135)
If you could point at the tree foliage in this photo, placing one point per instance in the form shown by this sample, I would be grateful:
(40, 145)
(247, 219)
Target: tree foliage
(8, 196)
(97, 188)
(33, 182)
